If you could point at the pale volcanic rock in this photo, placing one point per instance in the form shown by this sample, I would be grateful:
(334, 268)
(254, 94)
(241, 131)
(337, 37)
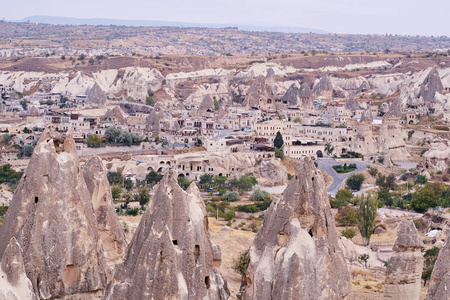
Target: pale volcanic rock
(207, 103)
(405, 266)
(171, 255)
(116, 114)
(348, 249)
(295, 96)
(352, 104)
(109, 228)
(96, 96)
(437, 158)
(14, 283)
(34, 112)
(260, 92)
(431, 85)
(295, 254)
(440, 277)
(323, 87)
(52, 218)
(152, 124)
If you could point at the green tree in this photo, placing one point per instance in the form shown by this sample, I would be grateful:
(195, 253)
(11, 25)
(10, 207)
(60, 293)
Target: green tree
(142, 196)
(348, 233)
(429, 260)
(385, 197)
(216, 105)
(128, 183)
(329, 149)
(278, 141)
(27, 150)
(259, 195)
(114, 178)
(279, 153)
(230, 196)
(421, 179)
(366, 216)
(343, 197)
(93, 140)
(112, 134)
(245, 183)
(153, 177)
(426, 197)
(149, 101)
(184, 183)
(354, 182)
(219, 181)
(347, 216)
(205, 179)
(241, 263)
(7, 138)
(297, 120)
(115, 192)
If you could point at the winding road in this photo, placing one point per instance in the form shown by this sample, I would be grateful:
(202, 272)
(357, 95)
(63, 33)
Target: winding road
(325, 164)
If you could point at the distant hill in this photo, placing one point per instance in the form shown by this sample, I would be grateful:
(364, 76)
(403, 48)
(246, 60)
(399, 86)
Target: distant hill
(99, 21)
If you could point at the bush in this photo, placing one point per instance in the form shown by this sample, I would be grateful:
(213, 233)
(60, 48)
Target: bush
(279, 153)
(132, 212)
(253, 208)
(230, 196)
(114, 178)
(354, 182)
(229, 215)
(373, 171)
(343, 197)
(347, 216)
(241, 263)
(344, 168)
(93, 141)
(184, 183)
(348, 233)
(421, 179)
(153, 177)
(259, 195)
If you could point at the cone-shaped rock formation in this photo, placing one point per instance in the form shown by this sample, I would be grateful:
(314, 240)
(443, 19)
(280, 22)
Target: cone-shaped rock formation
(404, 268)
(51, 217)
(440, 278)
(170, 255)
(110, 231)
(14, 283)
(295, 254)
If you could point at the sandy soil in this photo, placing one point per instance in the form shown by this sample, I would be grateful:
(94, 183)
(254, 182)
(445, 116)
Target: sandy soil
(232, 242)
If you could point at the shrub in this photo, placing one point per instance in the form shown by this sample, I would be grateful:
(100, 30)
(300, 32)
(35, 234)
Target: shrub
(279, 153)
(132, 211)
(354, 182)
(93, 141)
(348, 233)
(343, 197)
(421, 179)
(373, 171)
(347, 216)
(153, 177)
(230, 196)
(184, 183)
(241, 263)
(259, 195)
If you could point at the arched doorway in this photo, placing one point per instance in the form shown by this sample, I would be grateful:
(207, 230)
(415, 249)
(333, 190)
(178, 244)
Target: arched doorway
(319, 153)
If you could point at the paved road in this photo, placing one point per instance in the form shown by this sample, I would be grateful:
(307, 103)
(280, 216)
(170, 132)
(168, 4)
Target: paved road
(325, 164)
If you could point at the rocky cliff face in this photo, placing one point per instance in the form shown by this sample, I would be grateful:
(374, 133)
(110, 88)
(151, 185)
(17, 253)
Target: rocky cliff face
(109, 229)
(295, 254)
(14, 283)
(170, 255)
(52, 219)
(435, 159)
(260, 93)
(440, 278)
(404, 268)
